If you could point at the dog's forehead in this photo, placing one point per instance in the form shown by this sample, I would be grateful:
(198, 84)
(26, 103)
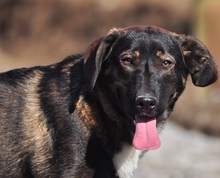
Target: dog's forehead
(146, 39)
(139, 28)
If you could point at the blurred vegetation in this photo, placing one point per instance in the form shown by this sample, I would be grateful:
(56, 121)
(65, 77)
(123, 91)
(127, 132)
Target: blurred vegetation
(200, 108)
(37, 31)
(41, 32)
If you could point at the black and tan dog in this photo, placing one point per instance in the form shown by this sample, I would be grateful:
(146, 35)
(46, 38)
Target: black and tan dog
(93, 114)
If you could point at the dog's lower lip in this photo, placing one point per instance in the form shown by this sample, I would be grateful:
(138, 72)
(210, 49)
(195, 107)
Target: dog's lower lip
(143, 118)
(145, 115)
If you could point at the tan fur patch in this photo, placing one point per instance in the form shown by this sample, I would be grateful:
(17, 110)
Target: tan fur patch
(85, 114)
(159, 53)
(37, 134)
(113, 30)
(137, 54)
(187, 53)
(175, 94)
(184, 80)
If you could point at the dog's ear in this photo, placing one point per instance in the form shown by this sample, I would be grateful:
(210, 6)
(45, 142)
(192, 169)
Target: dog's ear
(198, 61)
(96, 54)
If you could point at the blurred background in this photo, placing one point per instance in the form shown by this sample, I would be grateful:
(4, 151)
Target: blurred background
(39, 32)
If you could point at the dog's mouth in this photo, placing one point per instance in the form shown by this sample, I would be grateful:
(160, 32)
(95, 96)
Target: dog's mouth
(146, 136)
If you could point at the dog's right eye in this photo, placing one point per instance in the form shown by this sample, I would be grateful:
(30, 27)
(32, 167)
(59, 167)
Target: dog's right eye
(126, 61)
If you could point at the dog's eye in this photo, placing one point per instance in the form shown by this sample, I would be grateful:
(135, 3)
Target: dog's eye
(126, 60)
(167, 63)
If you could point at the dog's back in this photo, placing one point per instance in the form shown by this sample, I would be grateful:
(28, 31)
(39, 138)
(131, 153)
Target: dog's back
(35, 124)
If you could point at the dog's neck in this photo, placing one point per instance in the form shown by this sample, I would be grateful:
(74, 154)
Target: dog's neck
(108, 107)
(126, 159)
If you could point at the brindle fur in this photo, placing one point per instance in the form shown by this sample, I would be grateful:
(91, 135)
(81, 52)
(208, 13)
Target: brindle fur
(70, 119)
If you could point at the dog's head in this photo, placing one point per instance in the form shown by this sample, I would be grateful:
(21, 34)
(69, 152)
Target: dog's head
(144, 70)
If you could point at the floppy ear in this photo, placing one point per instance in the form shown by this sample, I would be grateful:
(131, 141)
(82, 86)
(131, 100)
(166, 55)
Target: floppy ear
(198, 61)
(96, 54)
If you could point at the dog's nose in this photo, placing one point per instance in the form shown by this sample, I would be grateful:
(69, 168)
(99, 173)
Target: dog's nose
(146, 103)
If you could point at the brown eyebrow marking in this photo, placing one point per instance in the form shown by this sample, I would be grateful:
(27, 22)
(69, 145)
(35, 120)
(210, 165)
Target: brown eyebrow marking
(159, 53)
(136, 53)
(164, 55)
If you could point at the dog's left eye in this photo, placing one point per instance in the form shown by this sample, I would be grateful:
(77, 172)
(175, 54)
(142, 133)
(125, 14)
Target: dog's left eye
(167, 63)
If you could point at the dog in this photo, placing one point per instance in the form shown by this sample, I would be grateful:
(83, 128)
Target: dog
(95, 114)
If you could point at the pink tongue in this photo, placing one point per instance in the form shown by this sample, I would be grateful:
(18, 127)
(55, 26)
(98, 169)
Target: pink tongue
(146, 136)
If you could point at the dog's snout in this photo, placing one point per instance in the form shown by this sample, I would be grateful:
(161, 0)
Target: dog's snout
(146, 103)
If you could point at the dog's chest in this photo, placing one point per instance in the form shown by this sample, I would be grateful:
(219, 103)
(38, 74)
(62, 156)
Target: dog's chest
(126, 161)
